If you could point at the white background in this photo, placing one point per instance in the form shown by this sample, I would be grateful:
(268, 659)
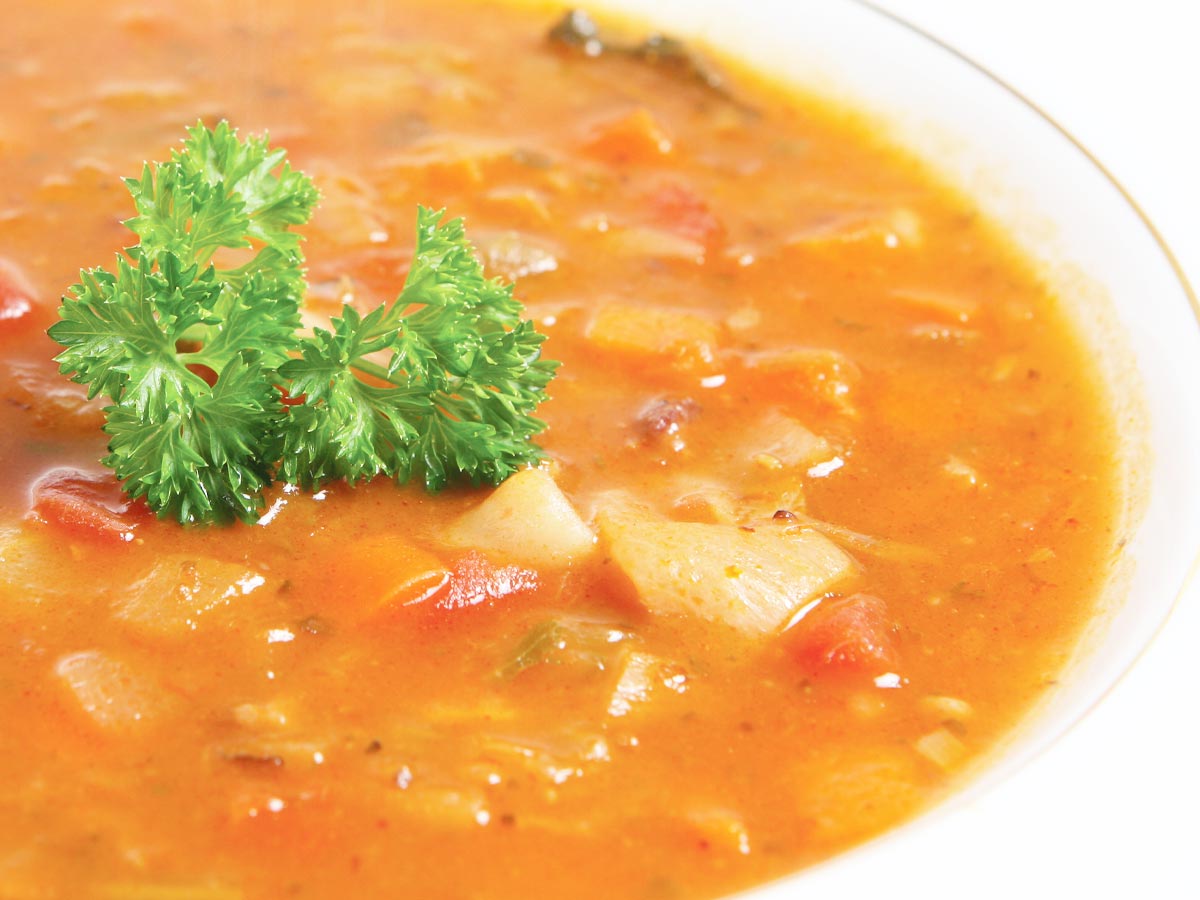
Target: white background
(1113, 809)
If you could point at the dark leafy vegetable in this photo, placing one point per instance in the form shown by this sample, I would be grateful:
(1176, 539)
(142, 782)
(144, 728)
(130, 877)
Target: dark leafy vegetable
(578, 31)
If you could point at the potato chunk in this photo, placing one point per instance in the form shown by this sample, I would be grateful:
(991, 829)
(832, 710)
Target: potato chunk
(752, 580)
(182, 592)
(112, 695)
(527, 519)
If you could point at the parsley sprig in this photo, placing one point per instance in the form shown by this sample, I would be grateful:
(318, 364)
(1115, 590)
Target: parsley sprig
(439, 384)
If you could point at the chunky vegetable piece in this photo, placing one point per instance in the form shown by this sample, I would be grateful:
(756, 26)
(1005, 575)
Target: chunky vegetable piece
(753, 579)
(444, 390)
(529, 519)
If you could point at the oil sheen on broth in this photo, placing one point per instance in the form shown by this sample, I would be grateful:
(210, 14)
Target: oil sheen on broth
(830, 489)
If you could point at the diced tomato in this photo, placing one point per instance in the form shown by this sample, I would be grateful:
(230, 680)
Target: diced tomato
(680, 210)
(87, 505)
(852, 634)
(16, 295)
(475, 580)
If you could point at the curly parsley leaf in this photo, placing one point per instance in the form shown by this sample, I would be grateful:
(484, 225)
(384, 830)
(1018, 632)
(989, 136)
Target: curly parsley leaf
(446, 389)
(440, 384)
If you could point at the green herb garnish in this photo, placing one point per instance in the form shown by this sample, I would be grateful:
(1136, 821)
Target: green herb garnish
(439, 384)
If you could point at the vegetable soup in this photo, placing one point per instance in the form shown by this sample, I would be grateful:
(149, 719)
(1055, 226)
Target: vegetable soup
(826, 492)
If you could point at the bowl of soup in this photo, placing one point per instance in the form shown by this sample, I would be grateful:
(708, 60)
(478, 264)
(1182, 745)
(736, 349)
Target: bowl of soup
(868, 464)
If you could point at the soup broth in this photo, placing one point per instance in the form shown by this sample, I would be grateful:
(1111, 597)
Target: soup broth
(829, 492)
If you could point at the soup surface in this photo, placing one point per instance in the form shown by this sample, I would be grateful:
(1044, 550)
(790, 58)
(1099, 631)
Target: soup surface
(830, 484)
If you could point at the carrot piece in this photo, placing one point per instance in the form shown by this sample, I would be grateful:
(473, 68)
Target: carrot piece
(849, 635)
(633, 137)
(383, 572)
(690, 340)
(87, 505)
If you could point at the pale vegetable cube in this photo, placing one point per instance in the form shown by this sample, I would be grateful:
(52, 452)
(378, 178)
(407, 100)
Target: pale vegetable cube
(181, 592)
(721, 829)
(753, 580)
(857, 790)
(552, 759)
(659, 243)
(452, 806)
(687, 338)
(787, 441)
(527, 519)
(941, 748)
(108, 691)
(514, 255)
(952, 709)
(895, 227)
(568, 642)
(643, 677)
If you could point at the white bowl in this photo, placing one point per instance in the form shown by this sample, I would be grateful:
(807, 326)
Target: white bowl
(1096, 247)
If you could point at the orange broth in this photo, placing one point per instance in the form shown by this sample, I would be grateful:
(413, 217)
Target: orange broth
(758, 305)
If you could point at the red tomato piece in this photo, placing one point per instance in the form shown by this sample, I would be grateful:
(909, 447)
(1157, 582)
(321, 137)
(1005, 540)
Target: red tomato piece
(475, 580)
(852, 634)
(16, 294)
(87, 505)
(679, 210)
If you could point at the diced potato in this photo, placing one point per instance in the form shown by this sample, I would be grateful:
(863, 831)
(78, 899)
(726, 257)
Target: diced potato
(941, 748)
(349, 211)
(947, 708)
(962, 471)
(16, 294)
(514, 255)
(111, 694)
(720, 829)
(658, 243)
(857, 791)
(452, 806)
(689, 339)
(552, 758)
(896, 227)
(449, 164)
(269, 716)
(750, 579)
(643, 677)
(180, 593)
(370, 72)
(523, 206)
(787, 441)
(527, 519)
(30, 562)
(568, 641)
